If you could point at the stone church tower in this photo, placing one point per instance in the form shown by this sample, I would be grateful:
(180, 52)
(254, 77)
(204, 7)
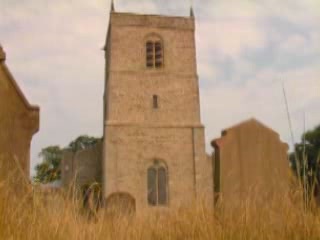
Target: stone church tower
(154, 144)
(153, 150)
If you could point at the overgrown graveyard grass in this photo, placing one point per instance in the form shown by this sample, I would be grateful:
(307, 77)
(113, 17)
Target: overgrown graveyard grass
(30, 214)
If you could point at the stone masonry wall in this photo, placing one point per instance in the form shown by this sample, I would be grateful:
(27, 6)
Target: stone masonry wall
(136, 133)
(19, 121)
(131, 150)
(83, 167)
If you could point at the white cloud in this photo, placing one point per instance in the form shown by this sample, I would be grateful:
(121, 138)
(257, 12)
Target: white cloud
(262, 97)
(230, 37)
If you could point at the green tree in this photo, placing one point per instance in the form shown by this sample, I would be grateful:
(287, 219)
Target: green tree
(83, 142)
(48, 170)
(305, 161)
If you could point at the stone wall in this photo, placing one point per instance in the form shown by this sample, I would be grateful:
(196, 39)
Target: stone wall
(130, 85)
(155, 21)
(132, 150)
(19, 121)
(67, 168)
(136, 134)
(82, 167)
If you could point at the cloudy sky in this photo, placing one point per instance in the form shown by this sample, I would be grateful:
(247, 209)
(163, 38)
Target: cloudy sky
(246, 50)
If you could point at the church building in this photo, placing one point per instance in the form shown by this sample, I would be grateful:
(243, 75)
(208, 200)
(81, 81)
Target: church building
(19, 121)
(154, 144)
(153, 151)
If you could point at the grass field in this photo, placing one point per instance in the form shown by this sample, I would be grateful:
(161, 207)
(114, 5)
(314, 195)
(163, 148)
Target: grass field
(27, 214)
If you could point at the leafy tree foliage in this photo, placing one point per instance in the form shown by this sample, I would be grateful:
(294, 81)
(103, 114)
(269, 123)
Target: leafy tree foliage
(48, 170)
(83, 142)
(306, 161)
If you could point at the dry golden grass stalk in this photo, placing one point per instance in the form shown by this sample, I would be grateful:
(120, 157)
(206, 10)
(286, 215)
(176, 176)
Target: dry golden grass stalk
(39, 215)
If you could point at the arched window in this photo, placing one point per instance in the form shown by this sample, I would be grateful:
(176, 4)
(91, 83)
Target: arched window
(154, 52)
(157, 184)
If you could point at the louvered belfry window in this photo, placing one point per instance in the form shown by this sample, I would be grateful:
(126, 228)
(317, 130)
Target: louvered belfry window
(157, 185)
(154, 54)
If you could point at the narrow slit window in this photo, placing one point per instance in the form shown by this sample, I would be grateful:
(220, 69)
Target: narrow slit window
(155, 102)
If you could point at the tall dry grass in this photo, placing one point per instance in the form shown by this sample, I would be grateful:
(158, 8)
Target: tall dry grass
(29, 214)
